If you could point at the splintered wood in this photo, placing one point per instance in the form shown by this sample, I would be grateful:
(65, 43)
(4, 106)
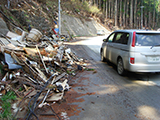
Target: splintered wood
(38, 61)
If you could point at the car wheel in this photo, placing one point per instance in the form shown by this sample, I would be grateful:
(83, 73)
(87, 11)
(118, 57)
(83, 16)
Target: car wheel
(102, 57)
(120, 67)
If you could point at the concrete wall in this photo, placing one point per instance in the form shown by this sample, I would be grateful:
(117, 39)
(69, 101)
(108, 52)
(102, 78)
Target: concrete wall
(77, 27)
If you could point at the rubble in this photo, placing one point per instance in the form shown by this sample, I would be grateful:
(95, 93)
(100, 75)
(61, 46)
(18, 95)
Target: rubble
(36, 67)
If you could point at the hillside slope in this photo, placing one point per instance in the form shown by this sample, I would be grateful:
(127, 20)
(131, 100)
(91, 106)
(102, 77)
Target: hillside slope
(79, 27)
(44, 18)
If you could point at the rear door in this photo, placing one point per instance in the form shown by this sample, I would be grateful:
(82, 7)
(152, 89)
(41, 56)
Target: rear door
(147, 49)
(120, 47)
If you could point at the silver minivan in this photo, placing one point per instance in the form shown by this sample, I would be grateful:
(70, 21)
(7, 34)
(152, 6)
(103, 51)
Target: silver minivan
(133, 50)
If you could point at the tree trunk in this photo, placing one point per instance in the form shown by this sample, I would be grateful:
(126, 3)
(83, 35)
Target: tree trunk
(149, 15)
(99, 4)
(104, 6)
(131, 14)
(112, 11)
(106, 10)
(127, 14)
(145, 18)
(124, 14)
(115, 13)
(135, 16)
(154, 11)
(120, 16)
(157, 15)
(109, 9)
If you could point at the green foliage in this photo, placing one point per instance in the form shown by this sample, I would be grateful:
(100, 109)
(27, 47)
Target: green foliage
(42, 1)
(89, 69)
(85, 6)
(70, 72)
(64, 21)
(20, 89)
(94, 9)
(6, 104)
(26, 15)
(11, 18)
(27, 20)
(9, 96)
(77, 10)
(51, 3)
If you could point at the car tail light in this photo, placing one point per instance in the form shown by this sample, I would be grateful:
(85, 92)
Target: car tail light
(134, 39)
(132, 60)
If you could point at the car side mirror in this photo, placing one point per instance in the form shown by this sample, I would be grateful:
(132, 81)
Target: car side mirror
(104, 40)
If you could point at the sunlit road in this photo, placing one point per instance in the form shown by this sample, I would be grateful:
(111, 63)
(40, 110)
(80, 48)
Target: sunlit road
(94, 43)
(113, 97)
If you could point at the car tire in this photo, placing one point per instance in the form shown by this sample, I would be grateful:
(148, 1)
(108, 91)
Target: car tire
(102, 57)
(120, 67)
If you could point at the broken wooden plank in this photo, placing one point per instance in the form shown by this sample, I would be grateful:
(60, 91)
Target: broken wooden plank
(12, 35)
(55, 97)
(41, 59)
(40, 105)
(3, 41)
(60, 52)
(10, 46)
(30, 51)
(32, 93)
(60, 76)
(36, 75)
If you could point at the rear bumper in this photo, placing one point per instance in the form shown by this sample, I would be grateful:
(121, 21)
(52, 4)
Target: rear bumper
(144, 68)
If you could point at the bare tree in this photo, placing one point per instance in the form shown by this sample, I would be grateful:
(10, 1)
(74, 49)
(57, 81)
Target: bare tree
(154, 11)
(106, 9)
(131, 14)
(124, 13)
(135, 16)
(115, 13)
(109, 9)
(120, 19)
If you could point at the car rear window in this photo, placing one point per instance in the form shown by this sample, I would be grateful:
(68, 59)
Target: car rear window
(147, 39)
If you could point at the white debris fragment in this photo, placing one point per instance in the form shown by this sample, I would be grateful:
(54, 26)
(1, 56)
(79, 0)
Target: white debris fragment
(68, 50)
(64, 116)
(15, 108)
(17, 74)
(62, 86)
(5, 77)
(41, 105)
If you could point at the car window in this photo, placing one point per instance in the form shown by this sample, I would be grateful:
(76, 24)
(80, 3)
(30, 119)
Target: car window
(125, 38)
(147, 39)
(111, 38)
(121, 38)
(118, 38)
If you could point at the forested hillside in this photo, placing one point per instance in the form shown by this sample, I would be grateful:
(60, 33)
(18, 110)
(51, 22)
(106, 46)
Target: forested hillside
(130, 13)
(113, 14)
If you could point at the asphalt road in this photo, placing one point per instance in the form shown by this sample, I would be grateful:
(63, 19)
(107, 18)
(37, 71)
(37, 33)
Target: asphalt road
(113, 97)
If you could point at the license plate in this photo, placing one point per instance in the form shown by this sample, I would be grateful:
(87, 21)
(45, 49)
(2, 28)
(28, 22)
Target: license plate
(153, 59)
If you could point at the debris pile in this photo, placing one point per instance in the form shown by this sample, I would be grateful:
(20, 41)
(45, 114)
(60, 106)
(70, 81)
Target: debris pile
(36, 66)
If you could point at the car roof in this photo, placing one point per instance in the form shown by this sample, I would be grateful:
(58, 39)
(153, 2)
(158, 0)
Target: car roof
(137, 31)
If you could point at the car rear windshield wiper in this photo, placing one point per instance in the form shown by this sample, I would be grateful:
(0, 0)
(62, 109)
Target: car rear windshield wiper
(154, 46)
